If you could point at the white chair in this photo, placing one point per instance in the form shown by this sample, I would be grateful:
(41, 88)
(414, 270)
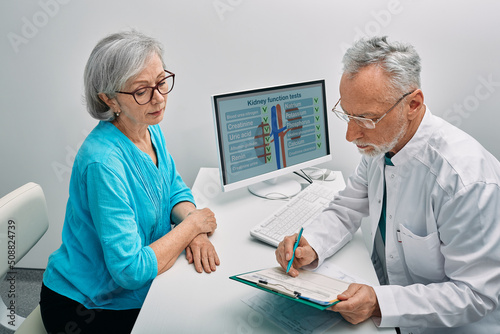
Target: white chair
(23, 221)
(33, 324)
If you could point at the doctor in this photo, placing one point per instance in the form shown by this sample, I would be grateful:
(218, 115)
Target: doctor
(432, 195)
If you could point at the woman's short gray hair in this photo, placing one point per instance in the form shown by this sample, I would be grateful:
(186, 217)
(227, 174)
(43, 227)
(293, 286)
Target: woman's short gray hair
(400, 61)
(114, 60)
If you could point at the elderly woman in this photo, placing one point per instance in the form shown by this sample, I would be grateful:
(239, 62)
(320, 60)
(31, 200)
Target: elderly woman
(124, 196)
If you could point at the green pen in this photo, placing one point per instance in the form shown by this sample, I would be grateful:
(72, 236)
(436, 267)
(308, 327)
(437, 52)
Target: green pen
(294, 248)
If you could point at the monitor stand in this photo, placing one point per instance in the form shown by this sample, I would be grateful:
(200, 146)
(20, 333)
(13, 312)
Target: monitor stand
(278, 188)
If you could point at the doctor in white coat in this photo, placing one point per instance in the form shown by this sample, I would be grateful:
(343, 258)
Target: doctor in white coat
(432, 195)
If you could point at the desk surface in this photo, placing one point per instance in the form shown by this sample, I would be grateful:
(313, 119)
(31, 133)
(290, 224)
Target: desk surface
(184, 301)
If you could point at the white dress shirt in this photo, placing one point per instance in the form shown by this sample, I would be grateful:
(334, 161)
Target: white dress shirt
(442, 251)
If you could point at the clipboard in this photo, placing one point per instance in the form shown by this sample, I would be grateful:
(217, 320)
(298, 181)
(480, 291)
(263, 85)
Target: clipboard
(310, 288)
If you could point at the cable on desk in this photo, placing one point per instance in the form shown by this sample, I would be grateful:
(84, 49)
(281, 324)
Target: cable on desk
(304, 176)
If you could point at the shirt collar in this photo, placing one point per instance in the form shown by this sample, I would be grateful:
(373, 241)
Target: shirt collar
(417, 142)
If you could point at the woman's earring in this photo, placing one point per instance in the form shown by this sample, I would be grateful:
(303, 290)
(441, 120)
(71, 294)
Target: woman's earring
(117, 114)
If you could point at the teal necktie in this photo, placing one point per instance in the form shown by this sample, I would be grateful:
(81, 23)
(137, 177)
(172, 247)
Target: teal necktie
(381, 223)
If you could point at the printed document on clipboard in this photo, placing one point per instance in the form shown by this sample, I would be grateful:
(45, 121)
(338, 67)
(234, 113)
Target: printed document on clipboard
(310, 288)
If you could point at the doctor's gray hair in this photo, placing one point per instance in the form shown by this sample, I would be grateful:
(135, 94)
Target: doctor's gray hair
(400, 61)
(114, 60)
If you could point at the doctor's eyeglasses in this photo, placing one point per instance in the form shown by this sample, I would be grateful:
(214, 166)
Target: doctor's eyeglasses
(364, 122)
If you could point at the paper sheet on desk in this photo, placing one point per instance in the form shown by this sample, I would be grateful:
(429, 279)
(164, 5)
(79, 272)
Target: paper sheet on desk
(293, 317)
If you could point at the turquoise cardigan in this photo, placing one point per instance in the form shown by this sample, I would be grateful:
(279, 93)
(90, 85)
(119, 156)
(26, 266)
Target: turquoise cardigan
(119, 203)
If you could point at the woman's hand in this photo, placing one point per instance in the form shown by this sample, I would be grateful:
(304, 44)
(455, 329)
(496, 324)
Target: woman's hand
(202, 253)
(204, 220)
(190, 234)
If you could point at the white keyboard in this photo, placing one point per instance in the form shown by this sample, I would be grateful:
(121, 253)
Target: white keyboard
(294, 214)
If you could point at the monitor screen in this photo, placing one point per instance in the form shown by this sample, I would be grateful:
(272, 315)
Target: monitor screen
(268, 132)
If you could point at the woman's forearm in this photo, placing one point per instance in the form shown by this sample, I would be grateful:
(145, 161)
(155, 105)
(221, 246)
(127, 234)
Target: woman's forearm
(190, 222)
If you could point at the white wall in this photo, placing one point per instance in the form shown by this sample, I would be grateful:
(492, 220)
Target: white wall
(215, 46)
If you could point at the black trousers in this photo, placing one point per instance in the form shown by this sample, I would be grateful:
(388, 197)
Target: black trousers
(62, 315)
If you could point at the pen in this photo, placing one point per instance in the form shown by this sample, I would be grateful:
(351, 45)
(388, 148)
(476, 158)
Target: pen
(294, 248)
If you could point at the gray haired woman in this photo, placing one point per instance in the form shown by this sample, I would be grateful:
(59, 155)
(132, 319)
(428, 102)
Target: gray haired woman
(125, 195)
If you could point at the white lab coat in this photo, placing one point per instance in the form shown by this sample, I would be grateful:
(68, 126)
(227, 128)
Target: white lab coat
(443, 231)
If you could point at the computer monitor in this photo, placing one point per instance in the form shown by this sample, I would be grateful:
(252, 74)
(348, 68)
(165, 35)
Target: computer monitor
(263, 135)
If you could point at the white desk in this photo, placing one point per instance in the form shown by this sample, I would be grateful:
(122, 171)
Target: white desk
(183, 301)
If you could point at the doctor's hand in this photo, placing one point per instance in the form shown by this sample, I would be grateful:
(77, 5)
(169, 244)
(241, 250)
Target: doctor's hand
(304, 254)
(358, 303)
(202, 253)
